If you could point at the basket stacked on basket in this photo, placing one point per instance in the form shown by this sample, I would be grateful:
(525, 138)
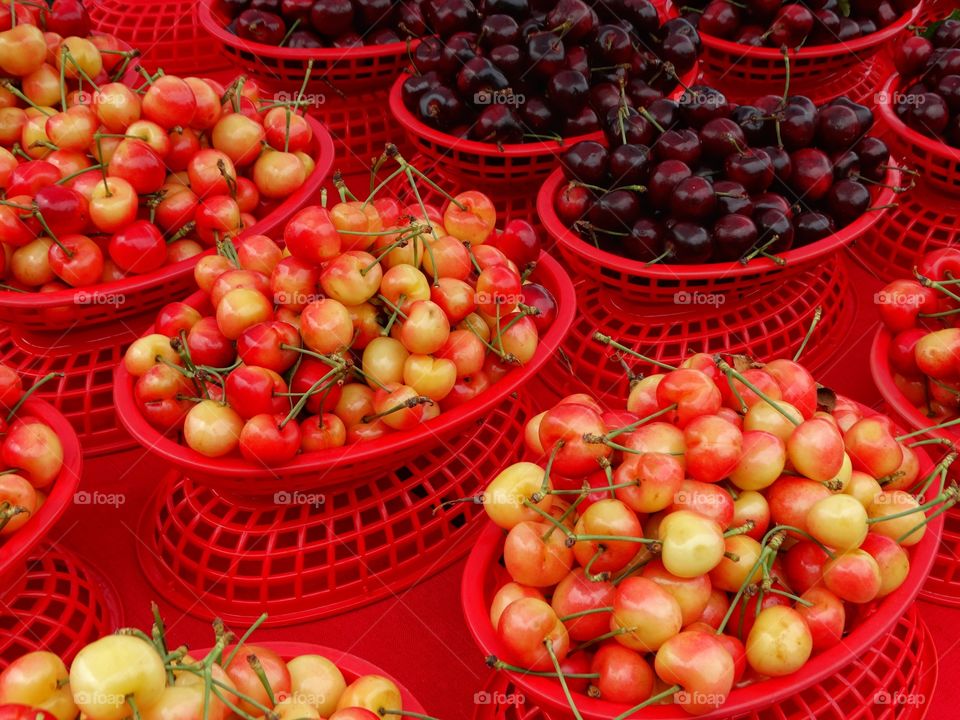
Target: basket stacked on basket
(382, 405)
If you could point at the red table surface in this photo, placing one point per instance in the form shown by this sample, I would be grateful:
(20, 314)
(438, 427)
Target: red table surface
(418, 635)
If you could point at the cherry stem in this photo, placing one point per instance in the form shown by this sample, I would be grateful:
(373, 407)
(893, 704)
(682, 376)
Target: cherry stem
(941, 426)
(72, 175)
(672, 690)
(497, 664)
(931, 441)
(563, 681)
(332, 362)
(243, 638)
(588, 574)
(817, 314)
(939, 511)
(12, 89)
(804, 534)
(405, 405)
(313, 390)
(610, 538)
(133, 706)
(658, 258)
(584, 613)
(771, 544)
(634, 425)
(8, 512)
(939, 469)
(742, 530)
(730, 372)
(545, 484)
(607, 340)
(46, 228)
(927, 282)
(950, 494)
(382, 712)
(631, 569)
(293, 27)
(560, 520)
(258, 670)
(554, 522)
(65, 51)
(33, 388)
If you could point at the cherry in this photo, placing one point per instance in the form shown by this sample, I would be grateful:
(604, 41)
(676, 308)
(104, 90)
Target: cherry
(664, 179)
(751, 168)
(525, 626)
(734, 235)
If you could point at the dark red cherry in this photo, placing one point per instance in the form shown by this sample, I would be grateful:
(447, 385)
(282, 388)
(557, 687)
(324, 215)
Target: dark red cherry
(499, 29)
(732, 198)
(721, 137)
(848, 200)
(616, 210)
(663, 181)
(752, 168)
(630, 164)
(812, 174)
(682, 144)
(568, 92)
(646, 239)
(572, 203)
(774, 227)
(586, 161)
(812, 226)
(734, 236)
(332, 17)
(693, 200)
(260, 26)
(688, 243)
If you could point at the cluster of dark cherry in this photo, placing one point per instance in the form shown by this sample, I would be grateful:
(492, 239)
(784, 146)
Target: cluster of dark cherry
(929, 66)
(704, 180)
(792, 24)
(518, 70)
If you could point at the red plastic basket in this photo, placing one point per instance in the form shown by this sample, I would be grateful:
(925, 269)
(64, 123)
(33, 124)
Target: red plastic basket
(351, 666)
(902, 665)
(923, 221)
(315, 470)
(482, 164)
(764, 323)
(479, 585)
(299, 555)
(56, 603)
(347, 70)
(820, 72)
(943, 585)
(937, 162)
(13, 549)
(661, 283)
(138, 294)
(933, 10)
(167, 34)
(84, 395)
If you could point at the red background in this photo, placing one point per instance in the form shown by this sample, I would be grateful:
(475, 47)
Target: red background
(418, 635)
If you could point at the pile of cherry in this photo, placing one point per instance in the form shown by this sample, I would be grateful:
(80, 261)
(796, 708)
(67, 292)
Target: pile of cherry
(380, 317)
(924, 353)
(516, 70)
(323, 23)
(132, 673)
(793, 23)
(928, 98)
(726, 527)
(107, 173)
(703, 180)
(31, 456)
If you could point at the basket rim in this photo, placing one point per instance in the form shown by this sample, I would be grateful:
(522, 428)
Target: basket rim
(486, 552)
(892, 396)
(324, 156)
(900, 128)
(14, 548)
(212, 24)
(416, 128)
(344, 660)
(814, 51)
(237, 467)
(704, 271)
